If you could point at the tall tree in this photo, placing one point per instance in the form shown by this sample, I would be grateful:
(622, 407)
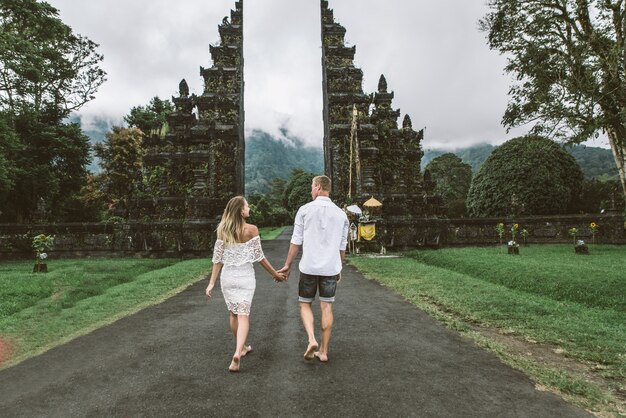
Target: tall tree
(121, 159)
(452, 179)
(44, 66)
(46, 72)
(298, 189)
(150, 119)
(8, 169)
(568, 58)
(51, 166)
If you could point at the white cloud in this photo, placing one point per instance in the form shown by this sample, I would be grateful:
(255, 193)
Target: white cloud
(431, 52)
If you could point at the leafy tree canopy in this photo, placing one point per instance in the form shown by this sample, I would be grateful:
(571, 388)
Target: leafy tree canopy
(298, 189)
(150, 119)
(46, 72)
(452, 179)
(9, 144)
(121, 160)
(526, 176)
(50, 165)
(44, 66)
(569, 62)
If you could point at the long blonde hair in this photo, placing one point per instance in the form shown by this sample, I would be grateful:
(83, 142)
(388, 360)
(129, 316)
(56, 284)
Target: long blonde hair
(230, 229)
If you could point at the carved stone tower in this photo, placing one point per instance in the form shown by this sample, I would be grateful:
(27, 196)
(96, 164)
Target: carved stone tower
(198, 166)
(385, 159)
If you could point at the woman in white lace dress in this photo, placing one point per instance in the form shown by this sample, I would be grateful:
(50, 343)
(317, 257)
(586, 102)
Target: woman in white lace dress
(238, 245)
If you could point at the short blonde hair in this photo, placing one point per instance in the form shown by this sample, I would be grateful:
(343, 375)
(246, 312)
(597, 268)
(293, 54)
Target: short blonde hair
(323, 182)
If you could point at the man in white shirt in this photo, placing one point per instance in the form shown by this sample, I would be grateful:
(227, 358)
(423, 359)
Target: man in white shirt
(321, 230)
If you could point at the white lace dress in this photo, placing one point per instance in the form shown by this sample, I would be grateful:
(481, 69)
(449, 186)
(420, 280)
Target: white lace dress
(237, 278)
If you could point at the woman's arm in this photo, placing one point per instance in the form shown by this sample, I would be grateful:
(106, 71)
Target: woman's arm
(214, 273)
(268, 267)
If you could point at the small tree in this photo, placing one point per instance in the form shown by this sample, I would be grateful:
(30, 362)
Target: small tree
(452, 179)
(150, 119)
(121, 159)
(298, 190)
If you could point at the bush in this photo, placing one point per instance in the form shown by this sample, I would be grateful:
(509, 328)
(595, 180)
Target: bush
(452, 179)
(526, 176)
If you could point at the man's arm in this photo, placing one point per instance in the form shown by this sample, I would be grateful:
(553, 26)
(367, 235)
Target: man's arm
(293, 251)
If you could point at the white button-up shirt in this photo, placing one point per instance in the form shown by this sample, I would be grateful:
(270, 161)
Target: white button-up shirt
(322, 230)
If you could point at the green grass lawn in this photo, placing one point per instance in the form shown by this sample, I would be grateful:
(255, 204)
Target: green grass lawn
(41, 310)
(270, 232)
(547, 294)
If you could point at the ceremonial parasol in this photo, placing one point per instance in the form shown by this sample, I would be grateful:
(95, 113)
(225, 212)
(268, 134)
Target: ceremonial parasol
(372, 203)
(354, 209)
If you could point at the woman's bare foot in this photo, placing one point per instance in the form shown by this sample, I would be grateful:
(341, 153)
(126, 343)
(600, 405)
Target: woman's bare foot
(246, 349)
(235, 364)
(323, 357)
(310, 350)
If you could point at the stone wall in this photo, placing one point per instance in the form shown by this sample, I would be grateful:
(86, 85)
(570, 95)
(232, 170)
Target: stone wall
(412, 233)
(154, 239)
(195, 239)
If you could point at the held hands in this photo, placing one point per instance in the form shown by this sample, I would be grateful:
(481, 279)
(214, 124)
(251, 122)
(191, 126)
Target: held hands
(285, 271)
(280, 277)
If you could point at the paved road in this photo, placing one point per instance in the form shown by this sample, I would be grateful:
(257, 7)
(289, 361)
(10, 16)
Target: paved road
(387, 358)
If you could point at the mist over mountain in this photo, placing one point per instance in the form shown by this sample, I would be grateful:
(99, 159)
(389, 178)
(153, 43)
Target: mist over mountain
(594, 162)
(475, 155)
(268, 157)
(96, 130)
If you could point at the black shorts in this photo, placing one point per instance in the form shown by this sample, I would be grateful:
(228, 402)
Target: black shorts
(310, 284)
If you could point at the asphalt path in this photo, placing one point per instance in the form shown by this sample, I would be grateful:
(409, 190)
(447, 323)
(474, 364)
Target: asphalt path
(387, 358)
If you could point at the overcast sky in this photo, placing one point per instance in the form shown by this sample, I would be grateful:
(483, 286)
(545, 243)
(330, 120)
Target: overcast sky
(430, 51)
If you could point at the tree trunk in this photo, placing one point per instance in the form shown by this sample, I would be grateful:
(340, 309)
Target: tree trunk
(618, 146)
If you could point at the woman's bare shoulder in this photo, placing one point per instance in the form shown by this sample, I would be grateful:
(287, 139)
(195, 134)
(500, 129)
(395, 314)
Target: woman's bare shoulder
(250, 231)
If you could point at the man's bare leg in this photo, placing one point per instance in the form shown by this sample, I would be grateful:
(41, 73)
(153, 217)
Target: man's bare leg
(327, 326)
(306, 313)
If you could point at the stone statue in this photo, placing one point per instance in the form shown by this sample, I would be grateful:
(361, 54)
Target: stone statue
(382, 84)
(406, 123)
(183, 88)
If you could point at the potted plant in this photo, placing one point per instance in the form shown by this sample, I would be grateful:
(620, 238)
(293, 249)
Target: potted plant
(41, 243)
(513, 246)
(579, 245)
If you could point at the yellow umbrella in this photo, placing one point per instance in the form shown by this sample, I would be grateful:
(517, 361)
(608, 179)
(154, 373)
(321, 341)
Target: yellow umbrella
(372, 203)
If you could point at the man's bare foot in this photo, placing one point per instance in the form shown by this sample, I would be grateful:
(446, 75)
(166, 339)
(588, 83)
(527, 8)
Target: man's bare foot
(235, 364)
(308, 354)
(321, 357)
(246, 349)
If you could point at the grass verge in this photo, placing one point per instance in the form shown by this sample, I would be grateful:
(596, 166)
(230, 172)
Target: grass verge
(40, 311)
(543, 312)
(270, 232)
